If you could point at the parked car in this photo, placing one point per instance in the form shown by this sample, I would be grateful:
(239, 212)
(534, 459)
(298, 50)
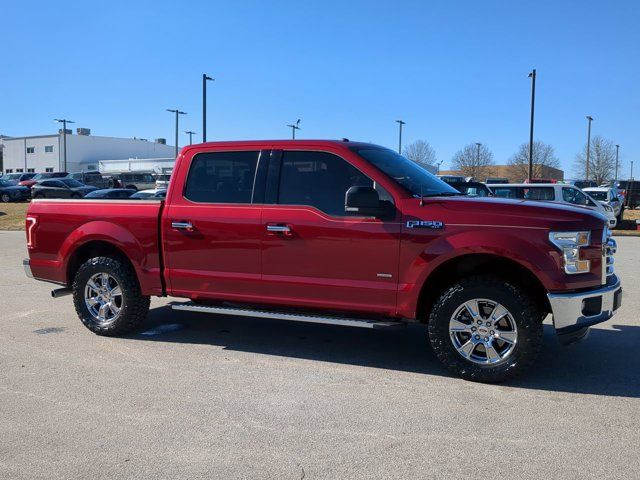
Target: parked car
(60, 188)
(452, 178)
(10, 192)
(496, 180)
(607, 196)
(539, 180)
(582, 183)
(16, 178)
(90, 178)
(554, 192)
(111, 193)
(134, 180)
(150, 194)
(335, 232)
(631, 189)
(472, 189)
(42, 176)
(162, 180)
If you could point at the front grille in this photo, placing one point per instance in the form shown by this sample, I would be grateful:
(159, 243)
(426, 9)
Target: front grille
(609, 248)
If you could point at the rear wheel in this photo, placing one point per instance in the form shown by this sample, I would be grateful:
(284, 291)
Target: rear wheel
(76, 196)
(6, 198)
(485, 329)
(107, 296)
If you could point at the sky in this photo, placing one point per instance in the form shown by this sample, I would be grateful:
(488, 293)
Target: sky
(454, 71)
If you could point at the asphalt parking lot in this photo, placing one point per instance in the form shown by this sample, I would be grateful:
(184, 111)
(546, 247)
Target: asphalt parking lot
(198, 396)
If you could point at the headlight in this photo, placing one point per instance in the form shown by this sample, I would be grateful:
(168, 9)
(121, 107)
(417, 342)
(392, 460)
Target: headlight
(570, 243)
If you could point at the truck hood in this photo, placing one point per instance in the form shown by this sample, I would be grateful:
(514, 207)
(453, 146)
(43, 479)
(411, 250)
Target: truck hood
(505, 212)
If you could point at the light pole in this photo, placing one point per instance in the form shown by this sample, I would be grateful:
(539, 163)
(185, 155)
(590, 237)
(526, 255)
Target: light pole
(617, 156)
(532, 75)
(191, 134)
(205, 78)
(177, 112)
(590, 118)
(400, 123)
(438, 167)
(294, 127)
(477, 169)
(64, 122)
(630, 186)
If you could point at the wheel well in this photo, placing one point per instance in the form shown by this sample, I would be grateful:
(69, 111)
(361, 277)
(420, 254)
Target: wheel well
(446, 275)
(96, 248)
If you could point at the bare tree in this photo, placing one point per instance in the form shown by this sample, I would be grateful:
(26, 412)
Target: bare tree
(420, 152)
(602, 160)
(543, 156)
(474, 161)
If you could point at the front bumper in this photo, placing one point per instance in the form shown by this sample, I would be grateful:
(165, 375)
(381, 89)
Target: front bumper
(574, 312)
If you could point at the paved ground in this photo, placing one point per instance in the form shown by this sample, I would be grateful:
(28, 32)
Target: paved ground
(240, 398)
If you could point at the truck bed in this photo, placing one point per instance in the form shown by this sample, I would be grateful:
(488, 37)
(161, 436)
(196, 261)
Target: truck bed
(62, 231)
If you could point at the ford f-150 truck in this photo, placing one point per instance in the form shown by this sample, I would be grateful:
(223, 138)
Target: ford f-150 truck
(335, 232)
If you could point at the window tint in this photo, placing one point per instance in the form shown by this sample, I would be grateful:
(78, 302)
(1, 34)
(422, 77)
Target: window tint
(51, 183)
(321, 180)
(221, 177)
(539, 193)
(575, 196)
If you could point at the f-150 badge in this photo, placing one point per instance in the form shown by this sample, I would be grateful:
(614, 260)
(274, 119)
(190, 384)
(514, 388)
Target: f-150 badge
(434, 224)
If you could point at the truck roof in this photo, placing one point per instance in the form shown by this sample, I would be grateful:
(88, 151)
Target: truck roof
(281, 143)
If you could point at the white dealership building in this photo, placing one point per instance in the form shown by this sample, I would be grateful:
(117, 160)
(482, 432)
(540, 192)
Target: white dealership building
(45, 153)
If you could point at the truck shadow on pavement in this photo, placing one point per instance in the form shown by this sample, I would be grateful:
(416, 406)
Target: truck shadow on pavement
(605, 363)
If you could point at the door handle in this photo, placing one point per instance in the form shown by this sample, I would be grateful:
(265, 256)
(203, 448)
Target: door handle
(182, 226)
(286, 229)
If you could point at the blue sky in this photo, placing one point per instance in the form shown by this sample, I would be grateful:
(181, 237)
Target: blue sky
(456, 72)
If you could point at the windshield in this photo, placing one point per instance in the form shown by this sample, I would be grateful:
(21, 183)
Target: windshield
(409, 174)
(600, 196)
(71, 183)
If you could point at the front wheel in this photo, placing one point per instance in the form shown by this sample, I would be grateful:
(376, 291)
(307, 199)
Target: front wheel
(6, 198)
(107, 296)
(485, 329)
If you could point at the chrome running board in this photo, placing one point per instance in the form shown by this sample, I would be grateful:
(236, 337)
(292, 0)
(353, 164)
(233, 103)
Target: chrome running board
(294, 317)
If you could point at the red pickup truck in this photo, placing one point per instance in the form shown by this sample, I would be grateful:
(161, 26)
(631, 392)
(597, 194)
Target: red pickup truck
(334, 232)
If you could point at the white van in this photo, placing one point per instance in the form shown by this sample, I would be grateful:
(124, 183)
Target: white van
(553, 192)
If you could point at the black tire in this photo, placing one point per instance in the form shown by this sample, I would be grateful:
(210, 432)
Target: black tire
(76, 196)
(132, 187)
(6, 198)
(38, 195)
(134, 305)
(524, 311)
(620, 215)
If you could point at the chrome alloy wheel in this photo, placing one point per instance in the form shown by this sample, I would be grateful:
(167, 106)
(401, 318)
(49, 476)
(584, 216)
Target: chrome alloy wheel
(483, 331)
(103, 298)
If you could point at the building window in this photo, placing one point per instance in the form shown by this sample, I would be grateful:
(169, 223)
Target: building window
(31, 170)
(31, 149)
(19, 170)
(9, 170)
(48, 169)
(48, 149)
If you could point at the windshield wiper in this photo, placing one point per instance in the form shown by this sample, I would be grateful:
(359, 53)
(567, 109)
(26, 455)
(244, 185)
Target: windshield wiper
(443, 194)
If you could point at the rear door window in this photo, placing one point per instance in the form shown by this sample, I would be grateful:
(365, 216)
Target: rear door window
(221, 177)
(539, 193)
